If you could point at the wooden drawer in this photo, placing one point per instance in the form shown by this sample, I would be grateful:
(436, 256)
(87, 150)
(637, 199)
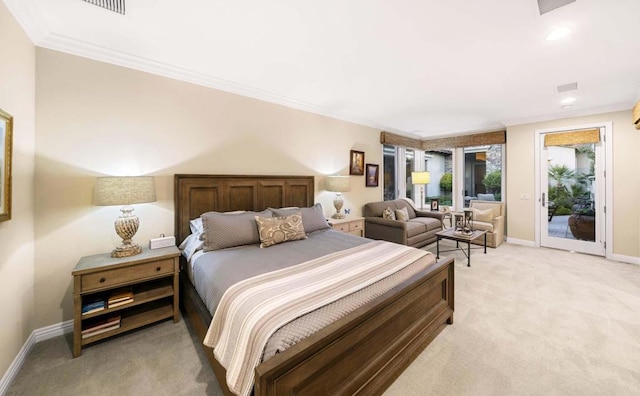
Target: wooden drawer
(344, 227)
(356, 225)
(98, 280)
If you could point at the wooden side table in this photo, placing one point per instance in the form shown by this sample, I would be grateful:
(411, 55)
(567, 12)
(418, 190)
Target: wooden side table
(153, 278)
(351, 225)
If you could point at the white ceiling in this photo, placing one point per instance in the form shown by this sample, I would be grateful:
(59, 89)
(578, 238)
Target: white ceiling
(416, 67)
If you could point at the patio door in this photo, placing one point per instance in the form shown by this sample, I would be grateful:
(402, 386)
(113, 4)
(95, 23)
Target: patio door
(572, 190)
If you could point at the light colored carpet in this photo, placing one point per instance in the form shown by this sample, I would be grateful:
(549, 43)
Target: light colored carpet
(528, 321)
(532, 321)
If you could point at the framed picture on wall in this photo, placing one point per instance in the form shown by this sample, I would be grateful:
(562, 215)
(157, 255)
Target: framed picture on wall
(6, 130)
(435, 204)
(356, 163)
(372, 175)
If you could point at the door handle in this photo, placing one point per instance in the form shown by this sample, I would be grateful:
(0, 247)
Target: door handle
(543, 200)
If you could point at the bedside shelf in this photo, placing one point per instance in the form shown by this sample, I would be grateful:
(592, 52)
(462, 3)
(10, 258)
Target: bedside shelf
(153, 278)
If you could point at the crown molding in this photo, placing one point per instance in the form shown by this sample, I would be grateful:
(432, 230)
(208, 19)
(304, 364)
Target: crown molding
(84, 49)
(569, 114)
(29, 18)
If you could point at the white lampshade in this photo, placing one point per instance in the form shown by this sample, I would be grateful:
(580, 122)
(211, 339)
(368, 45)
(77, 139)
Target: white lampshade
(338, 183)
(126, 190)
(420, 177)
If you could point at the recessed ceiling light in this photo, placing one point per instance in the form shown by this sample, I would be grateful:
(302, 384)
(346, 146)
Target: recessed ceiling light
(567, 107)
(558, 33)
(569, 100)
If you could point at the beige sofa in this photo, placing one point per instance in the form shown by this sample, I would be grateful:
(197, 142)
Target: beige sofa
(489, 216)
(418, 231)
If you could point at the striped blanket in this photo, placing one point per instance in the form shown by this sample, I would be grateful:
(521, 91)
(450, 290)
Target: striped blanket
(252, 310)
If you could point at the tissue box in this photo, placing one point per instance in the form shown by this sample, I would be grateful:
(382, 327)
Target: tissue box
(157, 243)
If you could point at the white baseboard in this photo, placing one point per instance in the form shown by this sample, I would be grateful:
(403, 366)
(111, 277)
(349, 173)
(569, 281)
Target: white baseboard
(522, 242)
(626, 259)
(615, 257)
(55, 330)
(37, 335)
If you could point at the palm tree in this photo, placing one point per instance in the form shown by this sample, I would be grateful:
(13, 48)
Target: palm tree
(560, 174)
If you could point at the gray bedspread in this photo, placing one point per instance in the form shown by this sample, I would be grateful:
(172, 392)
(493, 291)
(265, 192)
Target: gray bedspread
(216, 271)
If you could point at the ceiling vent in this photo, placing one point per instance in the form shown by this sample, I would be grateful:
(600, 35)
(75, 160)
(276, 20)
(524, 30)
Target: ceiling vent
(550, 5)
(111, 5)
(567, 87)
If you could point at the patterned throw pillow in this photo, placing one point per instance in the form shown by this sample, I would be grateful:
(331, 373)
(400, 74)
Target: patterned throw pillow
(402, 214)
(274, 230)
(388, 213)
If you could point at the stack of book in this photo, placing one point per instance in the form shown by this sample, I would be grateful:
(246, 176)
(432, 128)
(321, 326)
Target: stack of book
(101, 326)
(120, 297)
(93, 305)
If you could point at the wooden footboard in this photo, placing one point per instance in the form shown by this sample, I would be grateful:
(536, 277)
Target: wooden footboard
(362, 353)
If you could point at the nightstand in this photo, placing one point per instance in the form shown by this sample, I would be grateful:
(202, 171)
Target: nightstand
(148, 280)
(351, 225)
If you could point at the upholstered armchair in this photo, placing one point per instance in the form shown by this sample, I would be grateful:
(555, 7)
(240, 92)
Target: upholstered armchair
(489, 216)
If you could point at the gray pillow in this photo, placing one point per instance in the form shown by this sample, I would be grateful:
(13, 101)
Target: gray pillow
(312, 218)
(224, 230)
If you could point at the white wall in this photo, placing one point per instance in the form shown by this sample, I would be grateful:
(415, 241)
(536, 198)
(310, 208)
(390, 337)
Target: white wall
(17, 97)
(625, 174)
(97, 119)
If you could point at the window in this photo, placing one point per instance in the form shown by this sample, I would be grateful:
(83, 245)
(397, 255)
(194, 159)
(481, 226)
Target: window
(462, 168)
(482, 173)
(439, 164)
(389, 172)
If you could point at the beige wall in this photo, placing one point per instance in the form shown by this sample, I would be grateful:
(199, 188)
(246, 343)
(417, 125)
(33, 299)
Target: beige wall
(17, 97)
(97, 119)
(625, 174)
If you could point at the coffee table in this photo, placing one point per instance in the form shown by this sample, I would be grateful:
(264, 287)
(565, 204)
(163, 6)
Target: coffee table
(450, 233)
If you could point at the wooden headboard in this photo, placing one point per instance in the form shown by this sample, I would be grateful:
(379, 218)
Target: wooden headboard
(197, 194)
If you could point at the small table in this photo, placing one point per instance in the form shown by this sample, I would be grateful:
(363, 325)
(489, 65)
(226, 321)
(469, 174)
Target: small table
(450, 233)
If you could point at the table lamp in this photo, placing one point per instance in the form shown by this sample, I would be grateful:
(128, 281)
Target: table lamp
(125, 191)
(420, 179)
(338, 184)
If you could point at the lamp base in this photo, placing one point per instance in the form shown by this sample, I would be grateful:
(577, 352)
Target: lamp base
(126, 227)
(126, 250)
(337, 203)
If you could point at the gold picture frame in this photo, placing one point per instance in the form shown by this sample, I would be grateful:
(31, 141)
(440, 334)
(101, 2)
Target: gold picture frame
(6, 141)
(356, 163)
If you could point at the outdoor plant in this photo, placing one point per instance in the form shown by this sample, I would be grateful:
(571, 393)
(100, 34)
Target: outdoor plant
(446, 182)
(493, 182)
(446, 185)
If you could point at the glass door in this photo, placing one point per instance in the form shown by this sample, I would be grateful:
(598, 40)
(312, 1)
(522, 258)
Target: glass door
(572, 191)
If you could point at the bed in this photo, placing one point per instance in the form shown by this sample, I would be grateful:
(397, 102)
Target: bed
(360, 353)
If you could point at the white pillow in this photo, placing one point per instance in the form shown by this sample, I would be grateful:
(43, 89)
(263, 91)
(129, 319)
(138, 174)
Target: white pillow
(190, 245)
(195, 225)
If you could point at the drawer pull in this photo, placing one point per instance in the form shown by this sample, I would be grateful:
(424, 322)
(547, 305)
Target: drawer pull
(102, 280)
(158, 268)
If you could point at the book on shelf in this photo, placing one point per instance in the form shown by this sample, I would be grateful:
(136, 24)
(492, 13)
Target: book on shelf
(93, 305)
(102, 325)
(100, 331)
(120, 297)
(119, 303)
